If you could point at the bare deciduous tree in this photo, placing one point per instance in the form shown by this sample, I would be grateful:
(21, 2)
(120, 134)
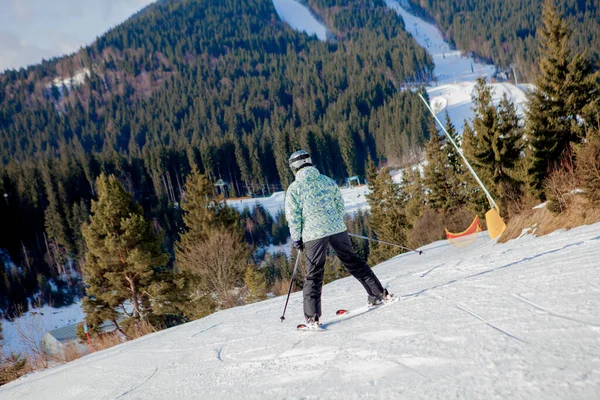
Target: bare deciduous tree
(30, 329)
(218, 263)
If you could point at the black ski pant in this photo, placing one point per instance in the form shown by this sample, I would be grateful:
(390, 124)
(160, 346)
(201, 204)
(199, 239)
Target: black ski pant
(316, 251)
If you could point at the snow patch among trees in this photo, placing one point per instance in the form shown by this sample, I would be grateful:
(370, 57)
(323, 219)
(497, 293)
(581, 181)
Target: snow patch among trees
(299, 17)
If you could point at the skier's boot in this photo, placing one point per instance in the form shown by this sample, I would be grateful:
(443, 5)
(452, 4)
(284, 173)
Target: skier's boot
(312, 323)
(384, 298)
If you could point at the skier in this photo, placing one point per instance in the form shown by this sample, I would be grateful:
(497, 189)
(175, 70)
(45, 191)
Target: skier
(314, 210)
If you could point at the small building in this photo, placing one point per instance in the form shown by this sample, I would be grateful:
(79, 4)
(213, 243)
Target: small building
(55, 342)
(350, 180)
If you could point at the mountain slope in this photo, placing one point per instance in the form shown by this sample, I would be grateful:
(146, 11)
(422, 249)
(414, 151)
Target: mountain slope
(224, 87)
(504, 32)
(516, 320)
(455, 73)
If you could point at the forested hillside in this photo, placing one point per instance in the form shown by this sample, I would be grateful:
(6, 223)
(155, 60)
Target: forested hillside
(504, 32)
(223, 87)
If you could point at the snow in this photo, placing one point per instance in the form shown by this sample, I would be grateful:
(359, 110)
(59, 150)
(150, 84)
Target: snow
(454, 72)
(491, 321)
(354, 200)
(300, 18)
(456, 99)
(285, 248)
(6, 261)
(450, 65)
(70, 82)
(37, 322)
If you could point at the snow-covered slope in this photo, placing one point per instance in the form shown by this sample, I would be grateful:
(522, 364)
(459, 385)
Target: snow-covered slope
(300, 18)
(517, 320)
(455, 73)
(450, 65)
(456, 99)
(37, 322)
(354, 200)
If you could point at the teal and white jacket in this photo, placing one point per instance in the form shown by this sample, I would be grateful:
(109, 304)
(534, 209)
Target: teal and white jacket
(314, 207)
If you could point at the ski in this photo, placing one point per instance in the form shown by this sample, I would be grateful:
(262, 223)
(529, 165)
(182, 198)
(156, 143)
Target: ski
(343, 311)
(304, 327)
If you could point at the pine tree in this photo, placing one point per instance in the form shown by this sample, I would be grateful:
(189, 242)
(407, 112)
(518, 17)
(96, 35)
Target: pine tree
(565, 101)
(211, 254)
(457, 170)
(492, 145)
(202, 211)
(435, 173)
(476, 198)
(256, 284)
(413, 186)
(123, 260)
(388, 220)
(279, 231)
(443, 174)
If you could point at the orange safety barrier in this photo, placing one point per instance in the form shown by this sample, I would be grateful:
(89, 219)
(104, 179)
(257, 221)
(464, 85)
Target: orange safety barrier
(466, 237)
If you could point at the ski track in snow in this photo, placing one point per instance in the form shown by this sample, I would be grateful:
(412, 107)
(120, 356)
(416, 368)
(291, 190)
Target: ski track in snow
(455, 73)
(514, 320)
(489, 323)
(535, 331)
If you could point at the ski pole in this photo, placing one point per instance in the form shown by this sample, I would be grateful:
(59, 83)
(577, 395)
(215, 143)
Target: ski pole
(383, 241)
(291, 283)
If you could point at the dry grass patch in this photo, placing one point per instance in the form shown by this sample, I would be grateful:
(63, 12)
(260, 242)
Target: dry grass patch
(107, 340)
(541, 221)
(70, 353)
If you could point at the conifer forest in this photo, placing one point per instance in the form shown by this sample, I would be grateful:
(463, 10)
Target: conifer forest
(107, 175)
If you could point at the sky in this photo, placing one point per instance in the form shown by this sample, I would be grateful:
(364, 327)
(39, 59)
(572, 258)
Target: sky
(32, 30)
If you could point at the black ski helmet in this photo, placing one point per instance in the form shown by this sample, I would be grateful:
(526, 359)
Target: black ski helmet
(299, 160)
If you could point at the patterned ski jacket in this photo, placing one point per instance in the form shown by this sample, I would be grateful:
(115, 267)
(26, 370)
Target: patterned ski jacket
(314, 207)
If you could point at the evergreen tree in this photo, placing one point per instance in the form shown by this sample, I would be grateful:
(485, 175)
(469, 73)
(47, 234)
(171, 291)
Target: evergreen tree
(492, 145)
(414, 187)
(388, 220)
(211, 254)
(564, 102)
(280, 232)
(477, 200)
(123, 260)
(256, 284)
(438, 191)
(444, 173)
(202, 210)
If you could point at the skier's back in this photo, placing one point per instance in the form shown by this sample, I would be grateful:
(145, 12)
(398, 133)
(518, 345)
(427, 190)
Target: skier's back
(314, 209)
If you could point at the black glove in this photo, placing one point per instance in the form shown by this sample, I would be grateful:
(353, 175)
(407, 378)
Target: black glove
(299, 244)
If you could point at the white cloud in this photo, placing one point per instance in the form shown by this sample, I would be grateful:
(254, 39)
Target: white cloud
(36, 29)
(16, 52)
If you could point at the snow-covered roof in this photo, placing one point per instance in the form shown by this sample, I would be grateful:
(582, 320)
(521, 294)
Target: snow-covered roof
(64, 334)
